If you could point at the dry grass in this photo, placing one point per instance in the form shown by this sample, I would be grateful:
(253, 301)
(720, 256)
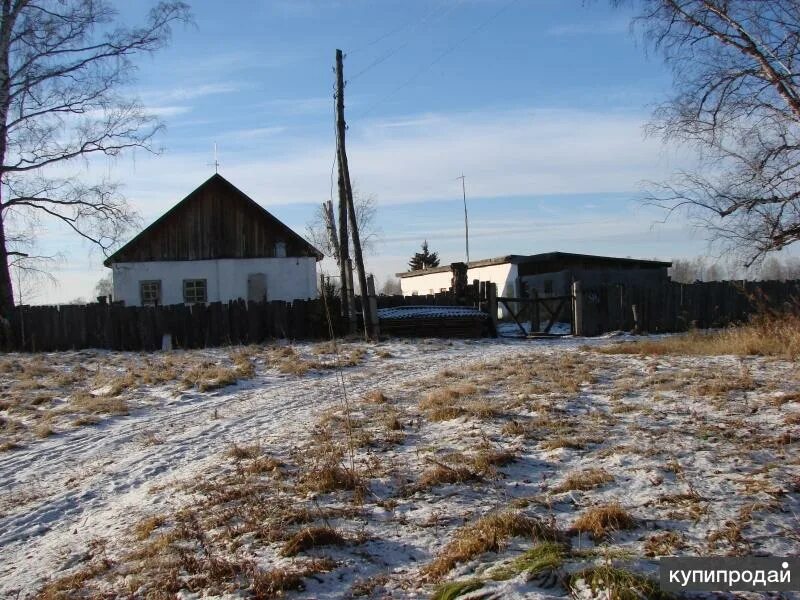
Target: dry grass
(147, 526)
(210, 376)
(584, 480)
(665, 543)
(97, 405)
(563, 442)
(9, 445)
(487, 534)
(600, 521)
(43, 430)
(64, 587)
(440, 404)
(440, 474)
(312, 537)
(238, 452)
(486, 460)
(296, 367)
(612, 583)
(376, 397)
(765, 335)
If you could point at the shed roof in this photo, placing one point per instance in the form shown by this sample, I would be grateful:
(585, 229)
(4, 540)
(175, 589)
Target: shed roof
(158, 240)
(517, 259)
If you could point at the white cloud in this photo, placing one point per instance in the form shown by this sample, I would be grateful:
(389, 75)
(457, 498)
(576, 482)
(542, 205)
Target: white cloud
(167, 111)
(183, 93)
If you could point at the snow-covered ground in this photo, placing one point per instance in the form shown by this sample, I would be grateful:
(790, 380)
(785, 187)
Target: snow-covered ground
(398, 453)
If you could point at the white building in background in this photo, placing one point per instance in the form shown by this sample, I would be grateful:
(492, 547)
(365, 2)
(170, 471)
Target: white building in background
(548, 275)
(215, 245)
(501, 271)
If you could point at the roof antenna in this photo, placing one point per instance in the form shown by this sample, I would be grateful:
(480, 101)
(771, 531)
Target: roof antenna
(216, 162)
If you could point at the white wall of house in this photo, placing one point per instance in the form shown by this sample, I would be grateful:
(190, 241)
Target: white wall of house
(503, 275)
(290, 278)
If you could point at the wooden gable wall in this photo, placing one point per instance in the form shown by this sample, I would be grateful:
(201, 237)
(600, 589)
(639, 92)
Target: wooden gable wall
(215, 221)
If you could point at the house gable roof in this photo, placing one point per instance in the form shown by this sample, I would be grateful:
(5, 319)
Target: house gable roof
(216, 220)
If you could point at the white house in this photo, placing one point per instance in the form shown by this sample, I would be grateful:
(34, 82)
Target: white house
(217, 244)
(501, 271)
(549, 274)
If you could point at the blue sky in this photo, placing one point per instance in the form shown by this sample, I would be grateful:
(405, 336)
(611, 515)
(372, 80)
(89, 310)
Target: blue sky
(540, 103)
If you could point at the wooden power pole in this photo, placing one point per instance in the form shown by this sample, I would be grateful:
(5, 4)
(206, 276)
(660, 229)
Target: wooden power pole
(346, 188)
(344, 245)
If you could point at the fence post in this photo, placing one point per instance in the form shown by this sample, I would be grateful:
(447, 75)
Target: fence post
(577, 308)
(491, 289)
(373, 308)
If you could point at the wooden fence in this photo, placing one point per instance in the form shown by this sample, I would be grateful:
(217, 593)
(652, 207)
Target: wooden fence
(46, 328)
(49, 328)
(677, 307)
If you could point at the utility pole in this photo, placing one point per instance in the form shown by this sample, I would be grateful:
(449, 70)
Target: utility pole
(466, 222)
(330, 226)
(344, 246)
(344, 186)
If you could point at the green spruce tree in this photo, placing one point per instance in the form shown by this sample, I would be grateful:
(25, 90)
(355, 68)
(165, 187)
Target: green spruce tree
(424, 260)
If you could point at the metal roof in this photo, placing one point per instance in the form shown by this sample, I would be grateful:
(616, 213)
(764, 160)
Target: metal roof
(516, 259)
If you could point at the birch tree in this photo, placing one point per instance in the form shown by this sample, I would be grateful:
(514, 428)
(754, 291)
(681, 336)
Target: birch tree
(63, 64)
(736, 100)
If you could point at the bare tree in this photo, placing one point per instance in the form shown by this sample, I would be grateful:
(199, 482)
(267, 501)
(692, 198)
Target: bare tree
(391, 286)
(699, 268)
(104, 286)
(737, 100)
(365, 206)
(62, 65)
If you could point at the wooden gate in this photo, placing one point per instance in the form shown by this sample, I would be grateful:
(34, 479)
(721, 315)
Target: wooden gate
(535, 309)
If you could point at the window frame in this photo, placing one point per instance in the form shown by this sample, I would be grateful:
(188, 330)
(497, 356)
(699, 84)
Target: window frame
(150, 282)
(193, 285)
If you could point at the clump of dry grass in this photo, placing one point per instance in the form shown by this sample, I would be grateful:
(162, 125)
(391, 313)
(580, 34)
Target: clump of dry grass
(238, 452)
(64, 587)
(322, 465)
(764, 335)
(9, 445)
(440, 405)
(563, 442)
(209, 376)
(663, 544)
(376, 397)
(487, 460)
(489, 533)
(441, 474)
(586, 479)
(86, 403)
(599, 521)
(312, 537)
(295, 367)
(147, 526)
(43, 430)
(613, 583)
(792, 419)
(514, 428)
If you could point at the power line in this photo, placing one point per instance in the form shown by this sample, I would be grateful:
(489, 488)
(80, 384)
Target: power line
(421, 22)
(439, 57)
(405, 25)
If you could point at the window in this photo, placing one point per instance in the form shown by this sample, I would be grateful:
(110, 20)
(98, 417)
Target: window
(548, 286)
(150, 292)
(280, 249)
(194, 290)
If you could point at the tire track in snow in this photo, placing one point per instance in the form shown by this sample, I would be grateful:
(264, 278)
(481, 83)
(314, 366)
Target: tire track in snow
(110, 470)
